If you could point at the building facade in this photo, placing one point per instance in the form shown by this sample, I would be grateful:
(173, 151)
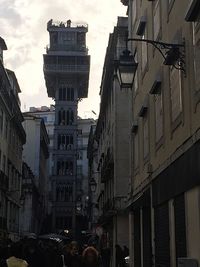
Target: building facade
(92, 155)
(48, 116)
(31, 205)
(164, 211)
(83, 129)
(35, 155)
(82, 173)
(12, 138)
(112, 135)
(66, 71)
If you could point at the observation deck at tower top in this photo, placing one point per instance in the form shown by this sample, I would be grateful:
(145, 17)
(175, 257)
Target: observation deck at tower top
(66, 25)
(67, 56)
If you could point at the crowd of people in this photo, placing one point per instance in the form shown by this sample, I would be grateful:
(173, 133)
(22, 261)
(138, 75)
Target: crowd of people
(32, 252)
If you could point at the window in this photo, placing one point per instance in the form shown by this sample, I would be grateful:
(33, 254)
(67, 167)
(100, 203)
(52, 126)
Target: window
(70, 94)
(54, 38)
(70, 117)
(136, 150)
(61, 117)
(1, 120)
(144, 52)
(65, 167)
(4, 164)
(136, 76)
(64, 193)
(81, 38)
(6, 128)
(145, 136)
(156, 20)
(62, 93)
(65, 141)
(175, 92)
(158, 115)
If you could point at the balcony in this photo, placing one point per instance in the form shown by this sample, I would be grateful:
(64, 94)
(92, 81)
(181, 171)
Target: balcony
(66, 48)
(59, 68)
(114, 205)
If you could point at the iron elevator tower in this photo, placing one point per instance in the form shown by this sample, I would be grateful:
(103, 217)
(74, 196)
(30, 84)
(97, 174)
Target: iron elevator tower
(66, 72)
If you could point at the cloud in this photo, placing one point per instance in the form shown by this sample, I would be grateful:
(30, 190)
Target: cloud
(23, 27)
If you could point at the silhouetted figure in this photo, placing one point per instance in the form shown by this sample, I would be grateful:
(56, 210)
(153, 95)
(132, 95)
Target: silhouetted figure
(72, 258)
(15, 257)
(120, 261)
(32, 253)
(90, 257)
(126, 251)
(105, 256)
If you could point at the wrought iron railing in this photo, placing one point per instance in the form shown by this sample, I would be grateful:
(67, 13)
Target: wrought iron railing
(66, 68)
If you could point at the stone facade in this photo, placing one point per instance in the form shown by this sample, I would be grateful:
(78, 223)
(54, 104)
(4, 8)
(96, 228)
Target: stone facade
(164, 189)
(35, 155)
(112, 135)
(12, 138)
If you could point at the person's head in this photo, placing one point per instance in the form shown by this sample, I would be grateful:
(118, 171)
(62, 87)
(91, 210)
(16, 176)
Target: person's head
(73, 248)
(90, 255)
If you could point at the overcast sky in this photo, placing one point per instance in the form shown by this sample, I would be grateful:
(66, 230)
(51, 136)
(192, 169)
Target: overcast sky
(23, 27)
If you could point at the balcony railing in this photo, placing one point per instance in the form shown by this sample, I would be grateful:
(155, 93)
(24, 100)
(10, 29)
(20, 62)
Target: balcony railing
(67, 48)
(54, 23)
(114, 205)
(66, 68)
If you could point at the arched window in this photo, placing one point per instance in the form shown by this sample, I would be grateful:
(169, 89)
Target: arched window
(65, 142)
(70, 117)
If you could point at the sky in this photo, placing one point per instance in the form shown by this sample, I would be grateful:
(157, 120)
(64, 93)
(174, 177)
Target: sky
(23, 27)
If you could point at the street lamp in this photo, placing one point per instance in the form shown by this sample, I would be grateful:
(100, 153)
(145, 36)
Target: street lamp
(126, 67)
(93, 185)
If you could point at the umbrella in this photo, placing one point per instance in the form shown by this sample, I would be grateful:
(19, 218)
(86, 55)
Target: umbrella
(54, 236)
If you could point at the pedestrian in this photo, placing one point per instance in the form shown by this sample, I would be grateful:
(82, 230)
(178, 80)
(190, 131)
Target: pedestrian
(14, 260)
(72, 258)
(125, 251)
(32, 253)
(90, 257)
(105, 256)
(120, 261)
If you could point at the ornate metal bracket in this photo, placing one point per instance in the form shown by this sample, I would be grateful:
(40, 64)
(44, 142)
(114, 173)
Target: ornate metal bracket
(173, 54)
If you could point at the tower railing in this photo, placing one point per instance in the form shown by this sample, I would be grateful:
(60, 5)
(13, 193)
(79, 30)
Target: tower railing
(67, 68)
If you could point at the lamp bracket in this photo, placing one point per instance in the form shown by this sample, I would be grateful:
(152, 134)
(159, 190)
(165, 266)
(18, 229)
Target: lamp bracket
(173, 54)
